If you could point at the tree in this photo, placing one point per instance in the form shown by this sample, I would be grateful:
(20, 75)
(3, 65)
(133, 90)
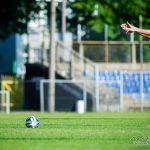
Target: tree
(95, 13)
(15, 14)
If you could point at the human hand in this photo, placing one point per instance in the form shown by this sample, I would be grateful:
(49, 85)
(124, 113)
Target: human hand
(128, 28)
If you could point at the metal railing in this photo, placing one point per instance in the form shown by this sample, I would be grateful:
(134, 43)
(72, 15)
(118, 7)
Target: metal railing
(70, 64)
(111, 91)
(112, 51)
(5, 101)
(101, 98)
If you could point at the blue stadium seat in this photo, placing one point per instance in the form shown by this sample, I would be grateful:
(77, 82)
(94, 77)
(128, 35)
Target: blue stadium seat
(136, 76)
(86, 73)
(131, 81)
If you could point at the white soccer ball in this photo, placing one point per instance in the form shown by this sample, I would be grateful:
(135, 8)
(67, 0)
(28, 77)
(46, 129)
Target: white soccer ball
(32, 122)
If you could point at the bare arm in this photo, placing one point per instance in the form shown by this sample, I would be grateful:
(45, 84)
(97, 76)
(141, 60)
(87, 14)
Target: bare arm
(130, 28)
(148, 36)
(143, 32)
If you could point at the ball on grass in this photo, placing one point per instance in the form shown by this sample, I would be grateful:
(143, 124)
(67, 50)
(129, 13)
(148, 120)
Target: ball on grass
(32, 122)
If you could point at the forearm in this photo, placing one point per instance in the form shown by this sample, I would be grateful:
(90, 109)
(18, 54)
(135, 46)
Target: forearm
(148, 36)
(144, 32)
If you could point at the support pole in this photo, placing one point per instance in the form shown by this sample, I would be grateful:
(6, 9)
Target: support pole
(141, 62)
(7, 102)
(133, 48)
(51, 93)
(141, 40)
(106, 43)
(97, 89)
(41, 96)
(63, 19)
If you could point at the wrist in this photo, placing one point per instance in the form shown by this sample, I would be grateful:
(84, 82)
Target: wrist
(136, 29)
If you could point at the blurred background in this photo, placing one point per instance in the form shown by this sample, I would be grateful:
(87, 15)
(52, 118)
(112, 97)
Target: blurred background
(66, 55)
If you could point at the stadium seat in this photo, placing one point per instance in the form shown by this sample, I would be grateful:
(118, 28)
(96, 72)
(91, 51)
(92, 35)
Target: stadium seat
(131, 80)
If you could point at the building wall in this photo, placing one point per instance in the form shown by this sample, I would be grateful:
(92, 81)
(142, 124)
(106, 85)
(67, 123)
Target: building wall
(7, 54)
(11, 55)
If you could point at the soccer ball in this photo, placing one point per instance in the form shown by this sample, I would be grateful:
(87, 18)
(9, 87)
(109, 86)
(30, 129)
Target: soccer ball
(32, 122)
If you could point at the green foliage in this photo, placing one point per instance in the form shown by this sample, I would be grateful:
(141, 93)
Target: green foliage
(96, 13)
(15, 14)
(146, 54)
(91, 14)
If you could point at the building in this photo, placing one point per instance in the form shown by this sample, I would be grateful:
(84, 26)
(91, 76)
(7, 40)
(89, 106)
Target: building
(12, 56)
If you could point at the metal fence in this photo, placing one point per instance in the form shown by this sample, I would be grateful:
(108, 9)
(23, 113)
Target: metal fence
(69, 64)
(15, 91)
(110, 91)
(106, 51)
(113, 51)
(135, 87)
(95, 94)
(23, 95)
(5, 101)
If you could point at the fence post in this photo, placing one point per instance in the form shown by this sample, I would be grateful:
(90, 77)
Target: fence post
(7, 102)
(141, 89)
(41, 96)
(141, 41)
(81, 50)
(97, 89)
(133, 48)
(121, 92)
(81, 53)
(84, 96)
(72, 65)
(106, 52)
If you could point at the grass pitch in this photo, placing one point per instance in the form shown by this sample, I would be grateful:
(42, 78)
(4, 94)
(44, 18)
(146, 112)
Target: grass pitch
(71, 131)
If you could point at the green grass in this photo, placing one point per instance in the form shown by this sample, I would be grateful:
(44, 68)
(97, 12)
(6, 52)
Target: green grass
(71, 131)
